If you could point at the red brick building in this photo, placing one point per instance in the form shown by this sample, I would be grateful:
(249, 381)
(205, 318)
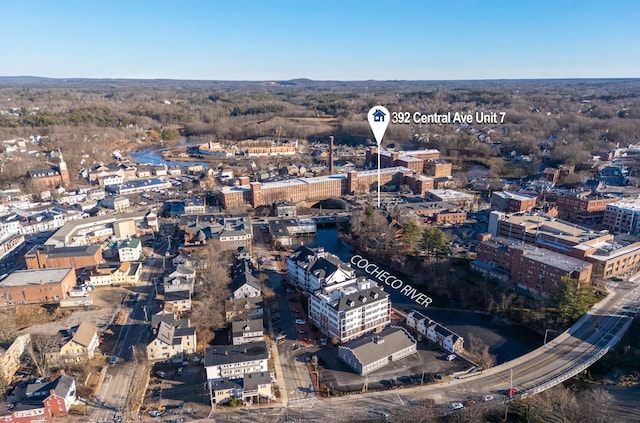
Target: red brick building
(437, 168)
(48, 256)
(50, 177)
(301, 189)
(510, 202)
(37, 286)
(530, 268)
(583, 208)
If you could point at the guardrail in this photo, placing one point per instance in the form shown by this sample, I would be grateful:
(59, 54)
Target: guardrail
(581, 366)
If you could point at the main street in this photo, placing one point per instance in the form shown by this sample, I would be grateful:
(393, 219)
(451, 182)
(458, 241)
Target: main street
(113, 395)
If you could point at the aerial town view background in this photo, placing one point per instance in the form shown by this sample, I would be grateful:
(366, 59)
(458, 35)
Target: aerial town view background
(401, 246)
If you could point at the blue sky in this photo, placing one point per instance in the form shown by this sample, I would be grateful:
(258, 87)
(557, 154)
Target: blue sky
(322, 40)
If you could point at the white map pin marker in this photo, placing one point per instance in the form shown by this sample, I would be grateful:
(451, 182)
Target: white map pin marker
(379, 118)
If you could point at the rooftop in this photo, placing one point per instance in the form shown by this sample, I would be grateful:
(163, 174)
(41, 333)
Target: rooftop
(35, 277)
(228, 354)
(373, 347)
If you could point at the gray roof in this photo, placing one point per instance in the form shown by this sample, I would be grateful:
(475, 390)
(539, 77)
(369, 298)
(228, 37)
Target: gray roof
(373, 347)
(238, 328)
(169, 318)
(252, 380)
(53, 252)
(177, 295)
(35, 277)
(227, 354)
(242, 279)
(224, 385)
(61, 386)
(359, 298)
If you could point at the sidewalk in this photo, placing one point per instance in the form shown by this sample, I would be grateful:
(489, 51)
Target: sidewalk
(277, 367)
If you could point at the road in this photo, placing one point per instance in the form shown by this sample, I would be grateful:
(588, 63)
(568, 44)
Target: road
(113, 394)
(540, 369)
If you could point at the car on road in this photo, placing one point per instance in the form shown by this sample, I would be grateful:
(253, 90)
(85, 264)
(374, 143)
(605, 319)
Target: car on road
(456, 405)
(382, 412)
(511, 392)
(300, 322)
(487, 397)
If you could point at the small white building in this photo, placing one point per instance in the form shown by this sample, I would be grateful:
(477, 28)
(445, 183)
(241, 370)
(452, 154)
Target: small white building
(234, 361)
(130, 250)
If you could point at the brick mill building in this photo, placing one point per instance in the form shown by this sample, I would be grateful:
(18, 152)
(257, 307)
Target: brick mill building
(301, 189)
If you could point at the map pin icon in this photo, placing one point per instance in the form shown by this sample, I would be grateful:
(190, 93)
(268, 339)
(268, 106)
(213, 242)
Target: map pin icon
(379, 118)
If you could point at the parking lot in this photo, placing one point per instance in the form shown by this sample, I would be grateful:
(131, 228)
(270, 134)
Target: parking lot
(426, 366)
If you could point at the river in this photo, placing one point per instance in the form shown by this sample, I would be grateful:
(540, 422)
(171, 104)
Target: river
(506, 342)
(153, 155)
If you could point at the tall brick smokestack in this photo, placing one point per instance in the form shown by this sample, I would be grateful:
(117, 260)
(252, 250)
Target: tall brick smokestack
(331, 154)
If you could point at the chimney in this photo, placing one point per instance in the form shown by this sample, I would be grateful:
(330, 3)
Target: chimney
(226, 352)
(331, 155)
(62, 372)
(52, 392)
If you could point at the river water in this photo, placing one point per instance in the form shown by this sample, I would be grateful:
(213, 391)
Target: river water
(506, 342)
(153, 155)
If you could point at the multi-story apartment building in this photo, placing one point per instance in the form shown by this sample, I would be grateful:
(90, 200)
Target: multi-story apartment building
(510, 202)
(172, 343)
(583, 208)
(235, 361)
(535, 270)
(623, 217)
(351, 311)
(314, 268)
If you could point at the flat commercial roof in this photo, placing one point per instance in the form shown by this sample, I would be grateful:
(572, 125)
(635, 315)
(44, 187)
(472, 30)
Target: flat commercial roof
(35, 277)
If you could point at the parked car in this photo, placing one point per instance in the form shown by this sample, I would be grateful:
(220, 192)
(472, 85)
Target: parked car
(113, 359)
(510, 392)
(456, 406)
(300, 322)
(155, 413)
(487, 398)
(451, 357)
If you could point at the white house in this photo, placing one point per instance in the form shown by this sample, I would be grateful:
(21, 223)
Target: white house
(247, 332)
(434, 332)
(172, 343)
(234, 361)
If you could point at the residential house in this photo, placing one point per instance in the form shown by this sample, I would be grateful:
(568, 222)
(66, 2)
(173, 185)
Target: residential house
(172, 343)
(115, 274)
(43, 401)
(234, 361)
(247, 332)
(178, 301)
(244, 284)
(244, 309)
(82, 346)
(434, 332)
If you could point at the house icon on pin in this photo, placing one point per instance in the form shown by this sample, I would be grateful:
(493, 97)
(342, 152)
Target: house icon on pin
(378, 116)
